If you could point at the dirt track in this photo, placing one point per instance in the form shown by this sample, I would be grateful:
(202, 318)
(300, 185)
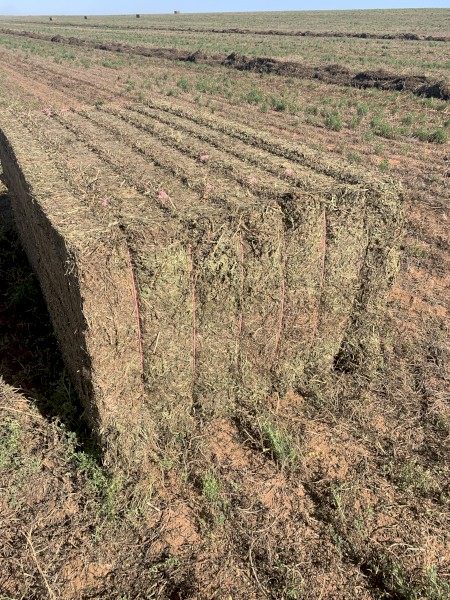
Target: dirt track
(331, 74)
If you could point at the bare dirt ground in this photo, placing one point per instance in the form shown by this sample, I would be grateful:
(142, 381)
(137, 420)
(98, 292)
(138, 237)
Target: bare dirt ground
(341, 495)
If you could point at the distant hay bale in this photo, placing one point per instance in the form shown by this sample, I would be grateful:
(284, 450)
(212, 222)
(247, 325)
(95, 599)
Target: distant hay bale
(138, 16)
(85, 18)
(176, 12)
(52, 19)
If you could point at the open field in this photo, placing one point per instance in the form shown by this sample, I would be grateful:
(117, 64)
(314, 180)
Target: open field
(413, 57)
(230, 235)
(422, 21)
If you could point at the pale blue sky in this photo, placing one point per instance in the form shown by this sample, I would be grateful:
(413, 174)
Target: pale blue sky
(97, 7)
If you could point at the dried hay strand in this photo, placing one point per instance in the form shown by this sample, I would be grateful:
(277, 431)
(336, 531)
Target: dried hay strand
(169, 312)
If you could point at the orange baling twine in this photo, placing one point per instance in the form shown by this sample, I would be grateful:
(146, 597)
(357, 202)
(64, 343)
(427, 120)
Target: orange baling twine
(136, 308)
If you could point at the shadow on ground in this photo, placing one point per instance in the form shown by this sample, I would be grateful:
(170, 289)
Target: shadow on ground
(30, 358)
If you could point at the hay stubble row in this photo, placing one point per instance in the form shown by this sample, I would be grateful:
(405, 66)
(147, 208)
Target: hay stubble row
(191, 264)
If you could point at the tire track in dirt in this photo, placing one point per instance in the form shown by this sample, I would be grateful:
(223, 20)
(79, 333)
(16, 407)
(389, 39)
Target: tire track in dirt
(34, 87)
(419, 85)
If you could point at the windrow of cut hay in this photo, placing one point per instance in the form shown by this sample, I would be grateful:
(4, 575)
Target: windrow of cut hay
(221, 285)
(334, 74)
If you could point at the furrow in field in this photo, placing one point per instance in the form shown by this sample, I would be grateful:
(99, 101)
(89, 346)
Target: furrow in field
(61, 82)
(98, 87)
(27, 87)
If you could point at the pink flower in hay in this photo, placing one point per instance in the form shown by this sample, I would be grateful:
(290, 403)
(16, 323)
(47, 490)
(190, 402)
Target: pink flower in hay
(23, 114)
(289, 172)
(208, 187)
(203, 157)
(105, 202)
(163, 195)
(64, 109)
(47, 112)
(252, 180)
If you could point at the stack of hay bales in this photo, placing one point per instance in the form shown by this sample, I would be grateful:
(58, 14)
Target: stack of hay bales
(236, 301)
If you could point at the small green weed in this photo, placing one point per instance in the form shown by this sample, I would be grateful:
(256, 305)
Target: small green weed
(278, 104)
(362, 110)
(172, 562)
(384, 165)
(435, 587)
(10, 434)
(355, 122)
(254, 97)
(383, 129)
(184, 84)
(355, 158)
(210, 487)
(408, 119)
(101, 483)
(334, 121)
(279, 444)
(436, 136)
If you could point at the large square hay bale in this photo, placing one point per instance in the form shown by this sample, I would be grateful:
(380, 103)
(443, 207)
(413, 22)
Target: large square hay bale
(204, 302)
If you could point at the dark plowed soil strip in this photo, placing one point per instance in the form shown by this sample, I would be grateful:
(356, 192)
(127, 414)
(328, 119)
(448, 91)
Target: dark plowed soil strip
(239, 31)
(419, 85)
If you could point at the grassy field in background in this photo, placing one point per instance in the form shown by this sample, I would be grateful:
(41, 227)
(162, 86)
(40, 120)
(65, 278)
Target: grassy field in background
(425, 21)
